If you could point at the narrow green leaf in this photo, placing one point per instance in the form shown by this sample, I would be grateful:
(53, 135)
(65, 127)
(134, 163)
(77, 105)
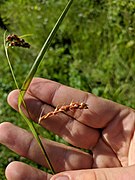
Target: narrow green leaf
(45, 47)
(31, 75)
(29, 78)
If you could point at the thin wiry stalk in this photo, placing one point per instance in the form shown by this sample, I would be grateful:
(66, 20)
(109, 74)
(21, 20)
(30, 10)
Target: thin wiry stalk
(9, 63)
(30, 123)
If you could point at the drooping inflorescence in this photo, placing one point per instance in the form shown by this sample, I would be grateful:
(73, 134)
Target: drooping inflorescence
(14, 40)
(71, 107)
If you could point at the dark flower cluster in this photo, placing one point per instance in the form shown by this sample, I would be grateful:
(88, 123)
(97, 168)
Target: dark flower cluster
(14, 40)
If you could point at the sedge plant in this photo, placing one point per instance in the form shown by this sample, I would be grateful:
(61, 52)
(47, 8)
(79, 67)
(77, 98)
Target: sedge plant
(29, 78)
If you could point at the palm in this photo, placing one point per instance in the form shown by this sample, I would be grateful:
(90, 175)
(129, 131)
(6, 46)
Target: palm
(116, 145)
(105, 127)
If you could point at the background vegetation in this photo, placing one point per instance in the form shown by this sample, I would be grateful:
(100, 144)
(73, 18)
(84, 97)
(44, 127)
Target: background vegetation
(94, 50)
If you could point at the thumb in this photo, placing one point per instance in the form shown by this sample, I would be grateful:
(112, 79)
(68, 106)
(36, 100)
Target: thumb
(121, 173)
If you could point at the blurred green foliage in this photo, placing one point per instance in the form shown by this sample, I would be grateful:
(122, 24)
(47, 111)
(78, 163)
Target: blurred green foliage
(94, 50)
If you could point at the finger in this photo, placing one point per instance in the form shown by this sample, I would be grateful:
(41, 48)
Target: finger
(33, 104)
(104, 156)
(61, 156)
(98, 174)
(74, 132)
(21, 171)
(98, 114)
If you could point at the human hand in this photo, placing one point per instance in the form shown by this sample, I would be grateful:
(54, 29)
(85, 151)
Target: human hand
(106, 128)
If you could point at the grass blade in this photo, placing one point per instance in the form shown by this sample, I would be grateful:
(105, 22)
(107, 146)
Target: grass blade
(45, 47)
(31, 75)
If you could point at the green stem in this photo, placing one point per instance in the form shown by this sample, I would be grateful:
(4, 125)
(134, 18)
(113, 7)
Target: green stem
(36, 136)
(9, 63)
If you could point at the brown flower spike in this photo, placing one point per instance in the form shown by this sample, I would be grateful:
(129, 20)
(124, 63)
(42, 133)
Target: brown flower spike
(71, 107)
(14, 40)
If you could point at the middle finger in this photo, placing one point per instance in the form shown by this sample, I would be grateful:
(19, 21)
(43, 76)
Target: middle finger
(61, 156)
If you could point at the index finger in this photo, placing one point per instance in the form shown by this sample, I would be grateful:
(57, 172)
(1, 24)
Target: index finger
(100, 111)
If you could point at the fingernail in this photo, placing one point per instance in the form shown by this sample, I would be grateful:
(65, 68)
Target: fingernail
(62, 178)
